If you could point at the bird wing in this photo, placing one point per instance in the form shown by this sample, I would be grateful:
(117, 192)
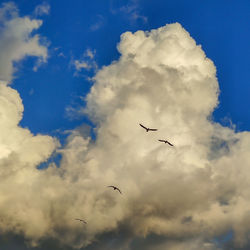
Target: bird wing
(152, 129)
(161, 140)
(81, 220)
(143, 126)
(170, 143)
(114, 187)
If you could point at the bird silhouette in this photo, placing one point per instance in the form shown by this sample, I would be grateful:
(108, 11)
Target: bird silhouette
(148, 129)
(115, 188)
(82, 220)
(165, 141)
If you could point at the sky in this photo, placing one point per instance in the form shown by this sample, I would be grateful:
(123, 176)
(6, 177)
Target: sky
(77, 78)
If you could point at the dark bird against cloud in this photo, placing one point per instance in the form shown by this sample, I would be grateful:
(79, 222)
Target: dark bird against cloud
(82, 220)
(148, 129)
(115, 188)
(165, 141)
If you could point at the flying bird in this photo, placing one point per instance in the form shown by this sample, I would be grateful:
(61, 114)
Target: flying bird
(148, 129)
(82, 220)
(165, 141)
(115, 188)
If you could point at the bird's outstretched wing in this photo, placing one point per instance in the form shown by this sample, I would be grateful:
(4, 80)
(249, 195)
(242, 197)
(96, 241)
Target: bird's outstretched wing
(82, 220)
(162, 141)
(143, 126)
(148, 129)
(115, 188)
(119, 190)
(165, 141)
(169, 143)
(152, 129)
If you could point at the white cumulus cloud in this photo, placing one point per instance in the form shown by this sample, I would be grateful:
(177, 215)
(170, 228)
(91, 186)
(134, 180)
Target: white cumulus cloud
(17, 41)
(198, 189)
(163, 79)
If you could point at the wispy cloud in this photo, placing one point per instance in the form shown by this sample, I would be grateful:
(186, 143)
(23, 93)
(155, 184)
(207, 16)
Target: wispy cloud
(86, 62)
(61, 54)
(131, 11)
(74, 110)
(81, 64)
(42, 9)
(99, 22)
(58, 51)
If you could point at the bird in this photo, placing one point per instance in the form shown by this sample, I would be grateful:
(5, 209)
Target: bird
(82, 220)
(165, 141)
(116, 188)
(148, 129)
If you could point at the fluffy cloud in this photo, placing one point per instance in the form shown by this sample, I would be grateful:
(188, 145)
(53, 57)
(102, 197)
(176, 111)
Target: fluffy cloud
(188, 194)
(20, 150)
(16, 40)
(164, 80)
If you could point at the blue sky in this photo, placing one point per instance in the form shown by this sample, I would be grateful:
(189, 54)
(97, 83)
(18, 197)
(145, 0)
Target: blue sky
(81, 85)
(220, 27)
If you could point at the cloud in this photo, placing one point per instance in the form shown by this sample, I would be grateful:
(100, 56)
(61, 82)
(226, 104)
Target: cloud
(90, 53)
(61, 54)
(20, 150)
(80, 64)
(163, 79)
(131, 11)
(42, 9)
(17, 40)
(86, 61)
(187, 194)
(98, 23)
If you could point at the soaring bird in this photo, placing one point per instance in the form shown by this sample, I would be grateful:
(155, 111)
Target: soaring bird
(115, 188)
(82, 220)
(148, 129)
(165, 141)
